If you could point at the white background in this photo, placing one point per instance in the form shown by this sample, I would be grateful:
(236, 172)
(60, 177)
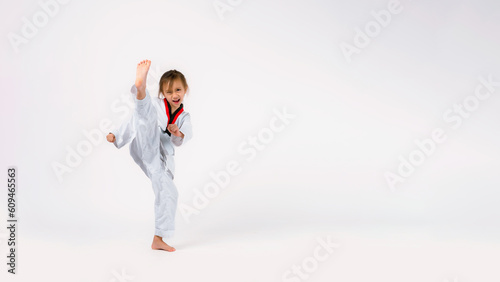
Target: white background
(322, 175)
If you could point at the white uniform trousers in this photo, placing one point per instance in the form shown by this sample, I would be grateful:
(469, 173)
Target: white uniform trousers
(146, 150)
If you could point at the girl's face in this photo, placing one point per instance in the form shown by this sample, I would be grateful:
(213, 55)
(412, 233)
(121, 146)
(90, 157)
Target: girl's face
(174, 95)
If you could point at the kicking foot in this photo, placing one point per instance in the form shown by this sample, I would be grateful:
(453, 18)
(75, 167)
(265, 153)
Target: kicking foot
(158, 244)
(140, 78)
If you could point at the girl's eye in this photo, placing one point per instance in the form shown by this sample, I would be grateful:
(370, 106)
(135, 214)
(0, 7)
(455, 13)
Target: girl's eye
(178, 89)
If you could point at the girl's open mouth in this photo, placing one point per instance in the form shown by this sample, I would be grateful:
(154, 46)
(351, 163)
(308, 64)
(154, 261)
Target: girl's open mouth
(176, 101)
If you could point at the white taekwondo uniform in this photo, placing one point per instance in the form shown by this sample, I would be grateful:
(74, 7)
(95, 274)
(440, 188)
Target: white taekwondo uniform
(152, 148)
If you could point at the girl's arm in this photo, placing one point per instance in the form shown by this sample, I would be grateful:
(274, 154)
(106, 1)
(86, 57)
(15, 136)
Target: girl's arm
(125, 133)
(186, 129)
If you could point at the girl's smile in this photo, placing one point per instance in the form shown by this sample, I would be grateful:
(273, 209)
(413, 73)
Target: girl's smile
(174, 94)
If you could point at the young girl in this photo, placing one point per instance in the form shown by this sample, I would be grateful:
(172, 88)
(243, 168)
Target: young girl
(156, 126)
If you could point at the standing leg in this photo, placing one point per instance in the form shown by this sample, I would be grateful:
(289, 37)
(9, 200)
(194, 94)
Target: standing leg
(166, 196)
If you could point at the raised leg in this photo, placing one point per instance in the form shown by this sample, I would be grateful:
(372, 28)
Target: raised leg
(145, 148)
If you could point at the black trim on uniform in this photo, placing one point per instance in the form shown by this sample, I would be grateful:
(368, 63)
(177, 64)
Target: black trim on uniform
(171, 116)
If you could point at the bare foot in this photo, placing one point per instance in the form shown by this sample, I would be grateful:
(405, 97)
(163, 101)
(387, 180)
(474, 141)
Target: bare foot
(158, 244)
(140, 78)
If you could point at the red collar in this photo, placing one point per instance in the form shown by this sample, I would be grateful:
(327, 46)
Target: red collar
(174, 115)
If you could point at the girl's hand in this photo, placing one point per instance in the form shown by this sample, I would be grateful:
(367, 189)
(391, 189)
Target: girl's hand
(172, 128)
(111, 138)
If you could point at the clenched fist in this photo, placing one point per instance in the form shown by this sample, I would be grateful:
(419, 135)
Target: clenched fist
(111, 138)
(172, 128)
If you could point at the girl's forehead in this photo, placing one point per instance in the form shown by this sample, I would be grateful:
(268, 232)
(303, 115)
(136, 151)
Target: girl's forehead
(169, 84)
